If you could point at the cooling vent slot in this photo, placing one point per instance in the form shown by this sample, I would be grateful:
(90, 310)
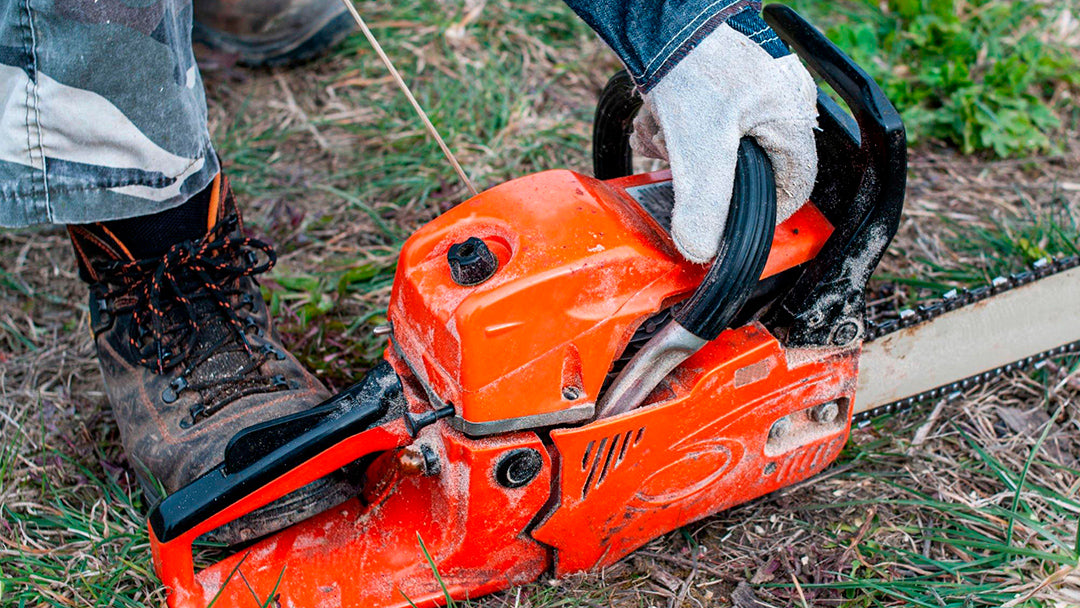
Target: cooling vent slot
(598, 460)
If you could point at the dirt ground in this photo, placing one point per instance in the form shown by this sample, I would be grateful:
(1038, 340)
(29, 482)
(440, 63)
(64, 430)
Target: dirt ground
(914, 504)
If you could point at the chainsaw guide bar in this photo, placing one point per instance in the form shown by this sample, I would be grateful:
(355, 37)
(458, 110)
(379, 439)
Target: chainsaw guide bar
(903, 357)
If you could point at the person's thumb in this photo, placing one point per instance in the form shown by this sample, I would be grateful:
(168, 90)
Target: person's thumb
(648, 138)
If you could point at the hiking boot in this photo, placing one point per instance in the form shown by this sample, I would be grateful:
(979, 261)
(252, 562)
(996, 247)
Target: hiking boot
(190, 356)
(271, 32)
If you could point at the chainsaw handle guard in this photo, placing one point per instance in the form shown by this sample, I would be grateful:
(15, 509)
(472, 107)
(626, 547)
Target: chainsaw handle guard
(862, 176)
(366, 418)
(619, 102)
(744, 250)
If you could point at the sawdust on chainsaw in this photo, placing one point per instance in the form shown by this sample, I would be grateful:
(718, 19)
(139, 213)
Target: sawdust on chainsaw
(72, 510)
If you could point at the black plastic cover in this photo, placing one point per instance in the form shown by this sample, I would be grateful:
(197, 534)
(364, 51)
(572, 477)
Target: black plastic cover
(862, 176)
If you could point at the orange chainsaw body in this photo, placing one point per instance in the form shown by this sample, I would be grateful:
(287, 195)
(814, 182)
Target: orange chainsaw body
(560, 385)
(581, 267)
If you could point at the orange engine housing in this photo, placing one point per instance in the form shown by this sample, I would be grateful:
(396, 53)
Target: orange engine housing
(581, 265)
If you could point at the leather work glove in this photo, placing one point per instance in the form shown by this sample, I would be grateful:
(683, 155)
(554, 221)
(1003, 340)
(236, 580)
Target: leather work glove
(727, 87)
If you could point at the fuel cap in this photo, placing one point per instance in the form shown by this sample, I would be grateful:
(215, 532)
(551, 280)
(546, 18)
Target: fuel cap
(471, 262)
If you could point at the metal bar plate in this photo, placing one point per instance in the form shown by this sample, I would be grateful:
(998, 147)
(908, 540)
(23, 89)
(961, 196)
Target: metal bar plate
(986, 335)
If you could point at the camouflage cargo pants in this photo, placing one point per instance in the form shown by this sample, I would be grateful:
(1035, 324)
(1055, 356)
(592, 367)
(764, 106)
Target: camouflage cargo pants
(103, 110)
(104, 115)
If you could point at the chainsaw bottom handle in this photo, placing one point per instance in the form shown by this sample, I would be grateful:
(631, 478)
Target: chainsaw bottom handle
(729, 283)
(365, 419)
(172, 545)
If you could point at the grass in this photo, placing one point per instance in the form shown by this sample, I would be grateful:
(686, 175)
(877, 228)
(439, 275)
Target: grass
(1009, 239)
(987, 537)
(975, 505)
(984, 75)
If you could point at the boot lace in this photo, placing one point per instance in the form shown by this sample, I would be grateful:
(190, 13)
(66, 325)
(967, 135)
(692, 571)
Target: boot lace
(168, 298)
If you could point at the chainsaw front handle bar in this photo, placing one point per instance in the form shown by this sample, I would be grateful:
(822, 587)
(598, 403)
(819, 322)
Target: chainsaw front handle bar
(862, 173)
(731, 279)
(746, 240)
(744, 247)
(616, 108)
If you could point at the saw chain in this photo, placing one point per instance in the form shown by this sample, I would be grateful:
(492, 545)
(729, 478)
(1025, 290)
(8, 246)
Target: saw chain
(953, 300)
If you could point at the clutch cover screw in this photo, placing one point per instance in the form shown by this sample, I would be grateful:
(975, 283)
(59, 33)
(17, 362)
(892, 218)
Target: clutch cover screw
(780, 428)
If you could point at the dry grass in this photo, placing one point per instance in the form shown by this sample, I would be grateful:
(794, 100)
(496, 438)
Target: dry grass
(332, 169)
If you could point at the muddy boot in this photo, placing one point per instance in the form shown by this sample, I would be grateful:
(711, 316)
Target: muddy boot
(271, 32)
(189, 352)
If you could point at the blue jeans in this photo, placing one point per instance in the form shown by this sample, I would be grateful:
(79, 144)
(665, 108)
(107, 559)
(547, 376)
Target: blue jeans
(651, 36)
(104, 115)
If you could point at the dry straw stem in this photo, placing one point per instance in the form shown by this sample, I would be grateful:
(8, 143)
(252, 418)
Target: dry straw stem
(412, 99)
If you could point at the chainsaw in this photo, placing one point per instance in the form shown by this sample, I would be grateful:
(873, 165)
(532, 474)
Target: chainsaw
(560, 387)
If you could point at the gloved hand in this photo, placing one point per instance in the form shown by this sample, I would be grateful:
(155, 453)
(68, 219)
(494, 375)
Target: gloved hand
(725, 88)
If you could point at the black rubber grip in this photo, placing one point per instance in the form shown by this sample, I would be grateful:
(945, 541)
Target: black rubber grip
(372, 402)
(744, 248)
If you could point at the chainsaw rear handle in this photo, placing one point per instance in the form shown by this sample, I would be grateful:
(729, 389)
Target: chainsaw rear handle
(360, 408)
(366, 418)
